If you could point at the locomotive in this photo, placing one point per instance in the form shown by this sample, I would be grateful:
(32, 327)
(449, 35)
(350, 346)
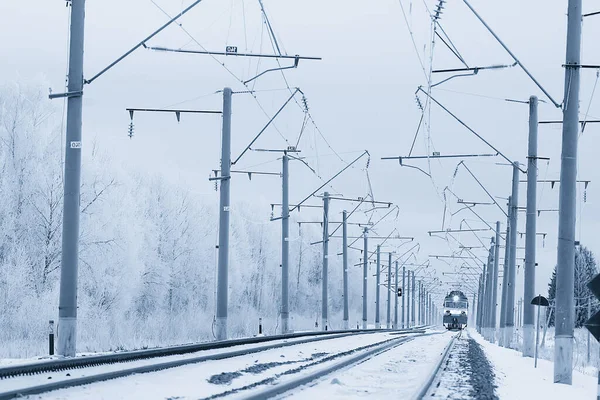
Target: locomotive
(456, 307)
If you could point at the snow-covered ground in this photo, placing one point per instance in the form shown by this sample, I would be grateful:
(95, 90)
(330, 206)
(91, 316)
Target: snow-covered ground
(398, 373)
(213, 377)
(517, 378)
(25, 381)
(580, 349)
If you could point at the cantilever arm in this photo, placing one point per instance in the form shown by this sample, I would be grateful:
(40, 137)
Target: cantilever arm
(142, 43)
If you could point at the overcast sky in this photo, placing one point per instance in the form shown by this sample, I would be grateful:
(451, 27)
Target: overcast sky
(361, 96)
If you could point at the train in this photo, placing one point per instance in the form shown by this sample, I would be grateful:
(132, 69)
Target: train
(456, 310)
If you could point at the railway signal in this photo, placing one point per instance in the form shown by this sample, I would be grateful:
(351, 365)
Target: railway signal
(399, 292)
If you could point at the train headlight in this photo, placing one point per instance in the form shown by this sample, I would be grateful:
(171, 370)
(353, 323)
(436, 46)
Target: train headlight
(463, 313)
(455, 298)
(448, 312)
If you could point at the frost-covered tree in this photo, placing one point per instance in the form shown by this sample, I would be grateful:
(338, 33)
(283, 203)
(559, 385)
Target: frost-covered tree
(148, 257)
(585, 269)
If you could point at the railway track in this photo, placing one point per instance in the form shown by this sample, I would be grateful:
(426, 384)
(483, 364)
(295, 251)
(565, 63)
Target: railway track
(433, 381)
(463, 372)
(345, 360)
(83, 370)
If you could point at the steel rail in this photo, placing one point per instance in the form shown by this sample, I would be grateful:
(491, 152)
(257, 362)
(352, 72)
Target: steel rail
(84, 380)
(374, 351)
(436, 370)
(87, 361)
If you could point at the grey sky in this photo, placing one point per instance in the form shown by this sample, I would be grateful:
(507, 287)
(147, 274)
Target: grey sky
(361, 96)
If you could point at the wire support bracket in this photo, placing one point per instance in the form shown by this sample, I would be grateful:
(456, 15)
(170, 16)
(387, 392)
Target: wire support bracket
(53, 96)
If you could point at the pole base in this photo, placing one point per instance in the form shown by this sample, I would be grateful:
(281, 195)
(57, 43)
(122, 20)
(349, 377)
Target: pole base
(563, 360)
(528, 341)
(508, 337)
(364, 324)
(501, 337)
(324, 324)
(67, 336)
(485, 333)
(285, 327)
(377, 325)
(346, 324)
(221, 328)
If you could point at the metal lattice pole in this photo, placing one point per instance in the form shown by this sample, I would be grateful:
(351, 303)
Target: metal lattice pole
(67, 307)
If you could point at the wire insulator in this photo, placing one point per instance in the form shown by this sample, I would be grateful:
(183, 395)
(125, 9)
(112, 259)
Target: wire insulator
(305, 103)
(438, 9)
(419, 104)
(131, 127)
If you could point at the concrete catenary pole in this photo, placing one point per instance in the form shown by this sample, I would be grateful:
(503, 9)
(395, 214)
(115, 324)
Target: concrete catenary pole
(377, 286)
(403, 296)
(389, 294)
(479, 300)
(488, 294)
(407, 294)
(412, 312)
(285, 245)
(67, 307)
(565, 309)
(491, 293)
(431, 308)
(530, 232)
(510, 290)
(494, 303)
(503, 304)
(426, 308)
(484, 292)
(365, 271)
(473, 311)
(223, 262)
(420, 303)
(324, 295)
(396, 297)
(345, 266)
